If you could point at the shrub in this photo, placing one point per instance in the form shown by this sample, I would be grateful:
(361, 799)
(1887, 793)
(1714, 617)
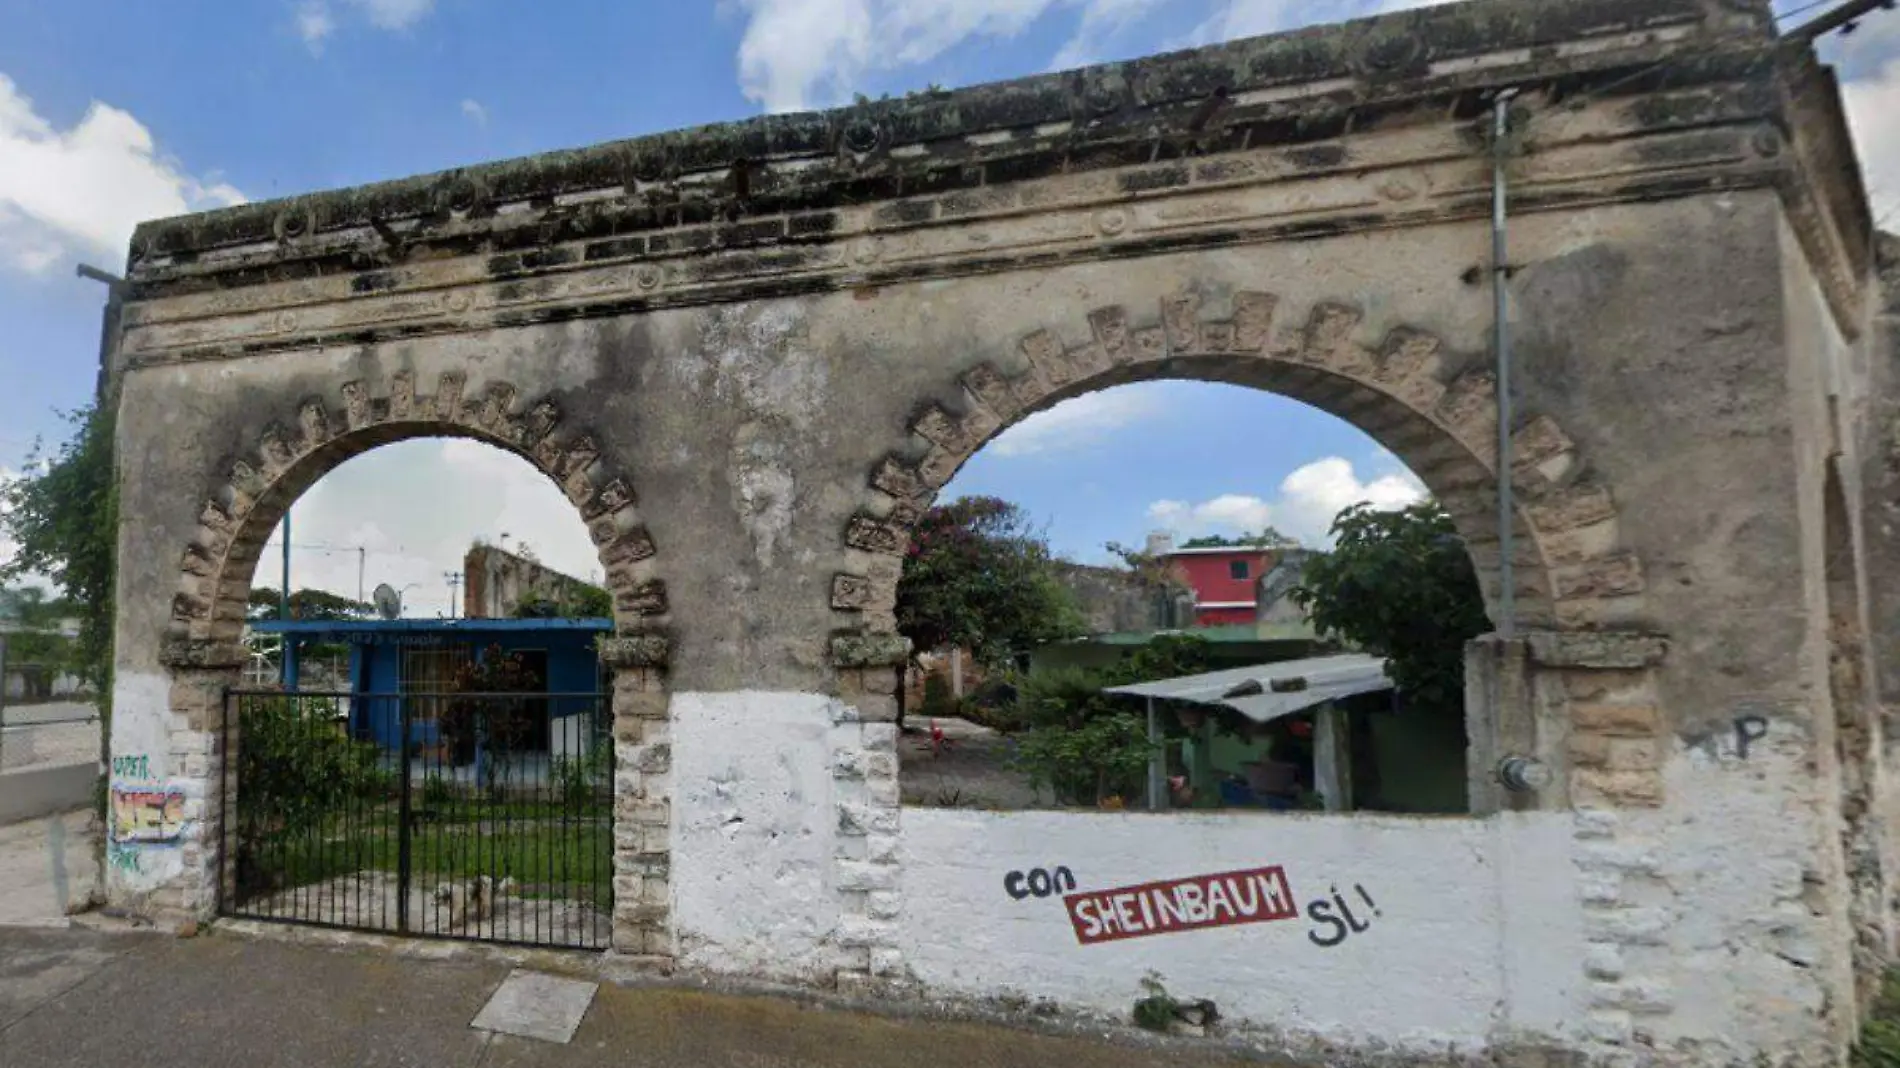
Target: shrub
(436, 792)
(574, 781)
(1879, 1043)
(296, 770)
(938, 701)
(1087, 747)
(1105, 757)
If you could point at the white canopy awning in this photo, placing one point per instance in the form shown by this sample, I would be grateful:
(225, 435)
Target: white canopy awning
(1270, 691)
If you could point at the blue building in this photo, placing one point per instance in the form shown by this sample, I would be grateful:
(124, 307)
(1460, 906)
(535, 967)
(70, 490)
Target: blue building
(410, 666)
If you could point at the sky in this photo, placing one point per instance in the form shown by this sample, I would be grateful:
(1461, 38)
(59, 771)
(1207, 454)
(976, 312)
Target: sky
(112, 113)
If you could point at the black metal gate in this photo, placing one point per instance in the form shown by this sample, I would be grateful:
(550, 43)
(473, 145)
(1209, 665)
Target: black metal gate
(483, 816)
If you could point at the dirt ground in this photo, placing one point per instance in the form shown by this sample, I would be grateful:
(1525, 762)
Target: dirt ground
(971, 771)
(368, 899)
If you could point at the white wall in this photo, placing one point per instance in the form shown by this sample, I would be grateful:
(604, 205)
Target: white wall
(1477, 934)
(753, 837)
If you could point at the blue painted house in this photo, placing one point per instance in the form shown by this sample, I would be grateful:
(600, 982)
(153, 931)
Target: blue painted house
(413, 663)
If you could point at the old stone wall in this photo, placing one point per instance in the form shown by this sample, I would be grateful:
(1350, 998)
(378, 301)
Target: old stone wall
(752, 356)
(1113, 601)
(496, 583)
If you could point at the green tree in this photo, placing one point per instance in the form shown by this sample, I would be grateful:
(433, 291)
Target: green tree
(579, 601)
(1400, 585)
(977, 575)
(1085, 746)
(266, 603)
(1267, 538)
(63, 515)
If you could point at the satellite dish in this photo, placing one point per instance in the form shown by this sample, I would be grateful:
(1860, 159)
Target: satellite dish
(388, 602)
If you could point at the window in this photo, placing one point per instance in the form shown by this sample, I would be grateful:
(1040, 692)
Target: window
(1237, 569)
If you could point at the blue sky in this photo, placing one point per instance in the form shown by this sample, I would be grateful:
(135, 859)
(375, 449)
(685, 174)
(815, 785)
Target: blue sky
(115, 112)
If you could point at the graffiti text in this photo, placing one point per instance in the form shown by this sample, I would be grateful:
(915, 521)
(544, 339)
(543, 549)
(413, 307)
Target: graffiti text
(147, 814)
(1254, 896)
(1336, 920)
(1040, 882)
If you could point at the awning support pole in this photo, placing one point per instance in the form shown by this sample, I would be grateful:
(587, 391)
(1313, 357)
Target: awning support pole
(1154, 759)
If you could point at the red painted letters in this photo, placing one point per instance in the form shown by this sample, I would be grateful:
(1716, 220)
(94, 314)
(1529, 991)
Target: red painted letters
(1254, 896)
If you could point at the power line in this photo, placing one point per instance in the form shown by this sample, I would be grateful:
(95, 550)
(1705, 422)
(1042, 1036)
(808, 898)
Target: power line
(1844, 18)
(1802, 9)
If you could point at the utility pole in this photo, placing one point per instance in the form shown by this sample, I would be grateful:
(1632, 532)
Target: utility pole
(454, 579)
(283, 605)
(106, 399)
(359, 574)
(3, 689)
(283, 593)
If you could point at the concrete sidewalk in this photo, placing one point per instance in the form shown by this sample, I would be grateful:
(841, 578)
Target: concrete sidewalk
(84, 998)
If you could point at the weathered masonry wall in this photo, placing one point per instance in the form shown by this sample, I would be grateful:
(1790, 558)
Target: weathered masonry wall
(1422, 935)
(752, 355)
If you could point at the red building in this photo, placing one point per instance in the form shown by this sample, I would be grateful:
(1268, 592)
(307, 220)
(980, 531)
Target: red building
(1225, 580)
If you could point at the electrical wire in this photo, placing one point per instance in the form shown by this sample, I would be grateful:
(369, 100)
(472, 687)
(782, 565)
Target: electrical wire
(1801, 10)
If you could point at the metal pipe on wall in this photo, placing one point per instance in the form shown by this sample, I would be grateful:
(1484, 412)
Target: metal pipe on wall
(1501, 298)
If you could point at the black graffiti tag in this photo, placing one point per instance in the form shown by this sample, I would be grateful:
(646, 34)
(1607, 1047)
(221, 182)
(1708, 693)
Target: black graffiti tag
(1040, 882)
(1343, 924)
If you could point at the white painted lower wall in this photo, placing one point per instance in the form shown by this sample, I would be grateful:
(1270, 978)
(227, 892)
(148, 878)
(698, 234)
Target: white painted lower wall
(753, 834)
(1474, 935)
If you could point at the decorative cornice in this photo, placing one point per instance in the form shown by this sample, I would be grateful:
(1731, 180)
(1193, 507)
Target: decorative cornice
(1404, 178)
(1289, 88)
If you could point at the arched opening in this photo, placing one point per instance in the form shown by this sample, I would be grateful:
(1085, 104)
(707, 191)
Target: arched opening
(435, 756)
(1855, 743)
(1432, 408)
(1158, 536)
(1050, 885)
(452, 772)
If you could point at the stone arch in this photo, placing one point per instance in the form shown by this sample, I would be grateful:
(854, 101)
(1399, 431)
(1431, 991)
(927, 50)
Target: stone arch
(1433, 408)
(202, 641)
(296, 451)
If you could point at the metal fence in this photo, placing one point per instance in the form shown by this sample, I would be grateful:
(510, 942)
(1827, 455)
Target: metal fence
(484, 816)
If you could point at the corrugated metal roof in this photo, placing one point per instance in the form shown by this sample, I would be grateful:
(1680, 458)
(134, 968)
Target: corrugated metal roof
(1269, 691)
(1219, 634)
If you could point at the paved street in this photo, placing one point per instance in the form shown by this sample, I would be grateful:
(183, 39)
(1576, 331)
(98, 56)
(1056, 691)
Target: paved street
(40, 735)
(48, 712)
(84, 998)
(47, 864)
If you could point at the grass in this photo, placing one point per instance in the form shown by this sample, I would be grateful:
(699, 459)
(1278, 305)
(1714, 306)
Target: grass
(550, 853)
(1879, 1045)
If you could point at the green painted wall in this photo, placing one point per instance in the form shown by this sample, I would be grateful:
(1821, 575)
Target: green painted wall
(1421, 762)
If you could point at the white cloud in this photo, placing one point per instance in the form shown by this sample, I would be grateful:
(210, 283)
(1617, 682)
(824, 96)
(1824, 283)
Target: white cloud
(1309, 499)
(1101, 19)
(314, 24)
(80, 191)
(394, 14)
(412, 539)
(1076, 423)
(475, 112)
(317, 19)
(1251, 18)
(799, 54)
(1873, 111)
